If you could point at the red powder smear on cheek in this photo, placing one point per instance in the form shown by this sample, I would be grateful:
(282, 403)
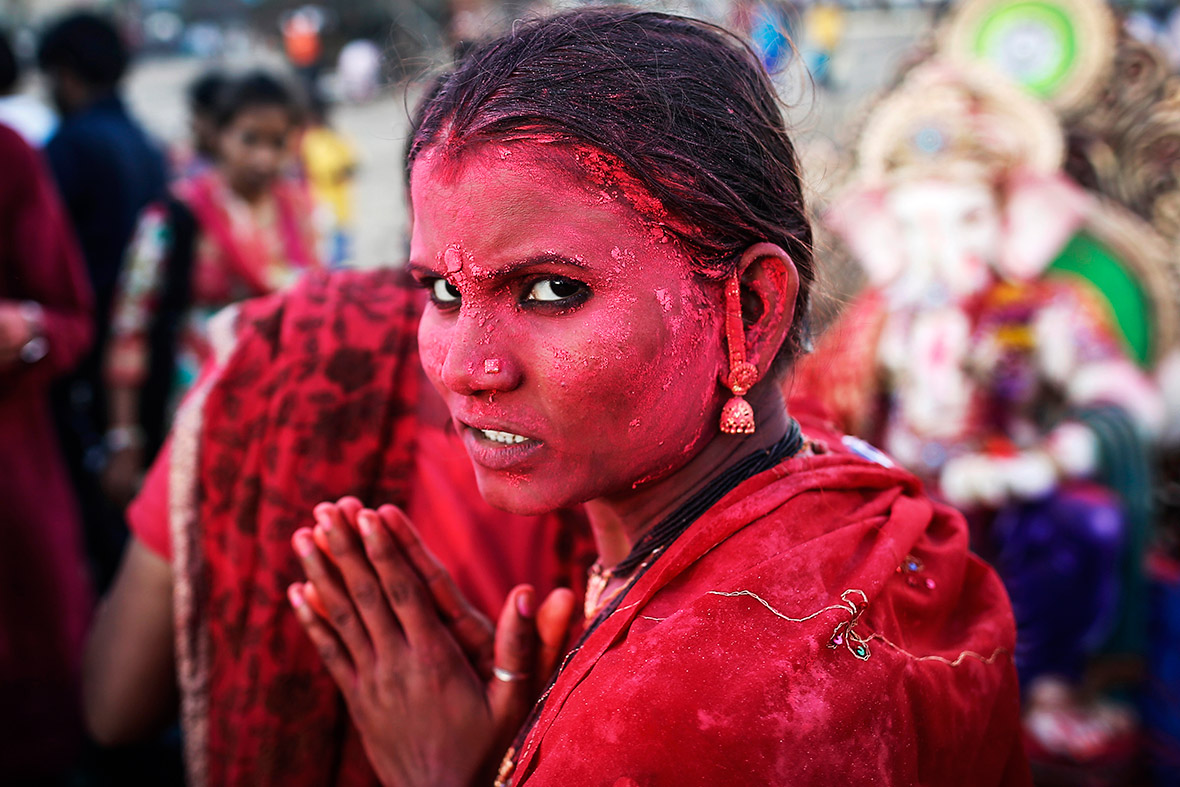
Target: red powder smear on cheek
(432, 351)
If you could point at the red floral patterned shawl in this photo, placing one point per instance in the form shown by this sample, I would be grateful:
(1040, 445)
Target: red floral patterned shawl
(316, 397)
(823, 624)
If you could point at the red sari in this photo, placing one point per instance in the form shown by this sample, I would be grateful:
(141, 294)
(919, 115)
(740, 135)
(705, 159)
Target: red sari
(823, 624)
(315, 395)
(44, 588)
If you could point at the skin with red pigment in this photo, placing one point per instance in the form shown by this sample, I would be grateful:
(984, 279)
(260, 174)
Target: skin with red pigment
(616, 384)
(610, 385)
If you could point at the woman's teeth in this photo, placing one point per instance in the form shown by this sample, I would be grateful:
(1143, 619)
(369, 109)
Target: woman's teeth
(502, 437)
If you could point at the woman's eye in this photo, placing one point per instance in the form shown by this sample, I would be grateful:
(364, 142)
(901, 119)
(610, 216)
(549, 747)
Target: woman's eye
(443, 291)
(556, 289)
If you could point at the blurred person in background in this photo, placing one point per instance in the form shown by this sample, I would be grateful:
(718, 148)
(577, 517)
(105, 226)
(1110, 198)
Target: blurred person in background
(358, 70)
(202, 97)
(21, 111)
(303, 44)
(238, 230)
(823, 28)
(45, 599)
(107, 171)
(329, 161)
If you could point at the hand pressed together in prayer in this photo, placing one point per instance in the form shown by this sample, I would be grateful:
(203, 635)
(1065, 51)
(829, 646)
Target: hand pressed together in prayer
(416, 663)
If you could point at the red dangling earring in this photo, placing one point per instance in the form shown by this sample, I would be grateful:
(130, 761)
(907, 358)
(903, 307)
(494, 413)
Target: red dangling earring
(737, 417)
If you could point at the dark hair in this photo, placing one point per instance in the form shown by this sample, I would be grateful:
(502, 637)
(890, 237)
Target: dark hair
(203, 91)
(684, 105)
(9, 67)
(253, 90)
(88, 46)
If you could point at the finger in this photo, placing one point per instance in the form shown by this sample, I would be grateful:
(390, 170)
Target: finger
(360, 579)
(511, 691)
(341, 615)
(314, 601)
(326, 643)
(554, 618)
(446, 594)
(350, 507)
(471, 629)
(403, 588)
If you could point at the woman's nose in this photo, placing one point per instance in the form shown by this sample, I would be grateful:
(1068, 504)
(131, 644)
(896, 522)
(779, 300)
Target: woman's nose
(478, 360)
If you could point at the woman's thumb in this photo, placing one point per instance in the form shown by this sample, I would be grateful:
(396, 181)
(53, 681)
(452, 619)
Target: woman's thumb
(514, 676)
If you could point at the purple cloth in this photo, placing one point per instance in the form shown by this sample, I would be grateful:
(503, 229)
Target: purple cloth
(1059, 559)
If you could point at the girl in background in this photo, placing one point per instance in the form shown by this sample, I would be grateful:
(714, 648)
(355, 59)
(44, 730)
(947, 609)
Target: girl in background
(237, 230)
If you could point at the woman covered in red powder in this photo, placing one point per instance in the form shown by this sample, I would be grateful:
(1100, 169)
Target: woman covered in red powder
(607, 217)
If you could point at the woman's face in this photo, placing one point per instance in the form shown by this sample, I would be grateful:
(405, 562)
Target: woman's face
(577, 352)
(254, 147)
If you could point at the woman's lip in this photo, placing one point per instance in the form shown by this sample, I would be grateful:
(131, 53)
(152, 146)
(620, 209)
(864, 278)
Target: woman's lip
(495, 455)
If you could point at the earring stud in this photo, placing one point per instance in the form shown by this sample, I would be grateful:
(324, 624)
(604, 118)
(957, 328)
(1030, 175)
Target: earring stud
(491, 366)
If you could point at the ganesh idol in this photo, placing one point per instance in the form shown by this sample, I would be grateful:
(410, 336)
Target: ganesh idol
(981, 357)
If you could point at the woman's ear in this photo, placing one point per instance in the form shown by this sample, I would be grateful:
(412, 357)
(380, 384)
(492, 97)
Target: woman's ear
(769, 289)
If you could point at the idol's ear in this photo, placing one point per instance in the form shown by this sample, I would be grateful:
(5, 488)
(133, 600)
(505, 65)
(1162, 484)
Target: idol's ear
(1041, 214)
(769, 289)
(861, 217)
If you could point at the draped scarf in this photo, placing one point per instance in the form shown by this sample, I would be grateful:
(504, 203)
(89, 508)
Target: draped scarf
(315, 397)
(823, 623)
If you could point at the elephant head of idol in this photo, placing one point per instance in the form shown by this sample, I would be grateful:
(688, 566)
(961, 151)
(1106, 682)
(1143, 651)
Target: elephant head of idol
(958, 182)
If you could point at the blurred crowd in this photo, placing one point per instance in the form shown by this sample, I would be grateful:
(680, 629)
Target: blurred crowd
(962, 342)
(117, 253)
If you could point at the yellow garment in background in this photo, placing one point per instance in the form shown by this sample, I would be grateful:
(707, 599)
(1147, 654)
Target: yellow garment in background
(329, 160)
(824, 25)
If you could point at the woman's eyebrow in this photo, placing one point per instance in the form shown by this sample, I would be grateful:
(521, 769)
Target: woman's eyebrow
(544, 258)
(421, 269)
(506, 270)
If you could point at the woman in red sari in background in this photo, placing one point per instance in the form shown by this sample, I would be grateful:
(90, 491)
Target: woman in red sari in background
(607, 216)
(45, 595)
(234, 231)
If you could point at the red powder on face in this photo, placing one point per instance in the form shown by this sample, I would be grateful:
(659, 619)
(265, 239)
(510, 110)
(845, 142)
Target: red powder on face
(615, 389)
(607, 173)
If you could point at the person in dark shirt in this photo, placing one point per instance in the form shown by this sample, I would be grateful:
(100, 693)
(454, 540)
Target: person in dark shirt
(107, 170)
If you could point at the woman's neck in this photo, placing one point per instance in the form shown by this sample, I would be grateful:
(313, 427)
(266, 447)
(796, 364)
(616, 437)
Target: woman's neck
(249, 196)
(619, 522)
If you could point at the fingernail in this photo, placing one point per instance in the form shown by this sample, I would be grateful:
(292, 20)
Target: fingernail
(295, 594)
(365, 522)
(303, 543)
(324, 519)
(524, 603)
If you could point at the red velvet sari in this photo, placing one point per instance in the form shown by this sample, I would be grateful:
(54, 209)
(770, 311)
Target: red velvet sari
(822, 624)
(316, 396)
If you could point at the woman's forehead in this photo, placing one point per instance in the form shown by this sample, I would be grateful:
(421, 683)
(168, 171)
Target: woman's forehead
(564, 166)
(505, 205)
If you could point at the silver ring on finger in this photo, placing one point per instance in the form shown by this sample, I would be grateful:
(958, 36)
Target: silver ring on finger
(508, 676)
